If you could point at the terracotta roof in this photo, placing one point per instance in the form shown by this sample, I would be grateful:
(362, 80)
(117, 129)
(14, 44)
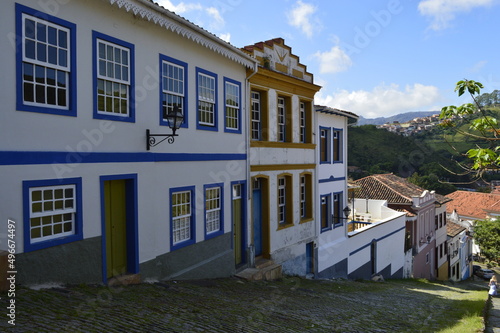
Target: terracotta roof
(392, 188)
(453, 229)
(473, 204)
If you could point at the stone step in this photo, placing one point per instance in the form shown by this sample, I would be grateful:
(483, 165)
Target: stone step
(268, 273)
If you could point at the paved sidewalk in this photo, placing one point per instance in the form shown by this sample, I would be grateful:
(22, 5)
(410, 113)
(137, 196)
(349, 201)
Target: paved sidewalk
(493, 319)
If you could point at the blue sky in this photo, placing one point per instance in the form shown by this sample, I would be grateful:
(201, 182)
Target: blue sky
(374, 58)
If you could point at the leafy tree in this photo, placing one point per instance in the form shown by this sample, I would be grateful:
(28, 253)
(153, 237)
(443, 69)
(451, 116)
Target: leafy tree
(487, 236)
(482, 127)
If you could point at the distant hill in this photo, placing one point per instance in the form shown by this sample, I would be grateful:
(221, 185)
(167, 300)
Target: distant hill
(402, 118)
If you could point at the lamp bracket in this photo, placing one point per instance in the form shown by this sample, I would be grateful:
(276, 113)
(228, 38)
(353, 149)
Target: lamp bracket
(151, 139)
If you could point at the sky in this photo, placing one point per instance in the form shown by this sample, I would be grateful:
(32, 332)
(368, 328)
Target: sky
(376, 58)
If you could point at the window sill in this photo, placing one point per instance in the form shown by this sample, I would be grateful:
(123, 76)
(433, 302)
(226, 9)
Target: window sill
(284, 226)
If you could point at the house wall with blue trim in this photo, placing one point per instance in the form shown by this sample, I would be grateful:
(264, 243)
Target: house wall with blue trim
(68, 134)
(333, 247)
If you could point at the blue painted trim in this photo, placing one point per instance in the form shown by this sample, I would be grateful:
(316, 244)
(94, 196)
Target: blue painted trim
(341, 212)
(192, 240)
(331, 179)
(230, 130)
(72, 158)
(376, 240)
(27, 184)
(97, 35)
(216, 106)
(341, 145)
(328, 143)
(164, 58)
(243, 184)
(71, 111)
(221, 217)
(329, 208)
(131, 223)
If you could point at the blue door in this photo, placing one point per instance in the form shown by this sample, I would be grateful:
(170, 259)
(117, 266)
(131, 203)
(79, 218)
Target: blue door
(257, 221)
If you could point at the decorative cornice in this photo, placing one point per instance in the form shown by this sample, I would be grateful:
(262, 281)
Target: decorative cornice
(170, 21)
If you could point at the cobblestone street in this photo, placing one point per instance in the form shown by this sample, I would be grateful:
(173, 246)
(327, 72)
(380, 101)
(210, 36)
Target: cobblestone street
(232, 305)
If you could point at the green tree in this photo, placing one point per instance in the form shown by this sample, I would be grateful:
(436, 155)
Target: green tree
(483, 127)
(487, 236)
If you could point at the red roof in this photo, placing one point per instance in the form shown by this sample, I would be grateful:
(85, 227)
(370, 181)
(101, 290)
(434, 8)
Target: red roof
(473, 204)
(392, 188)
(453, 229)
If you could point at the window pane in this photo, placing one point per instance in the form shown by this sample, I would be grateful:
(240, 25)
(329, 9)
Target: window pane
(63, 58)
(41, 52)
(52, 32)
(29, 28)
(41, 33)
(63, 39)
(29, 49)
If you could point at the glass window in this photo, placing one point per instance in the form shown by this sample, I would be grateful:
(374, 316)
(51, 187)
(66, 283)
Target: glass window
(207, 109)
(213, 209)
(256, 116)
(113, 79)
(181, 216)
(46, 61)
(232, 100)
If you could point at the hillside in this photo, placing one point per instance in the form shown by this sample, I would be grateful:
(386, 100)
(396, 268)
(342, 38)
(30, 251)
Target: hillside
(373, 151)
(402, 118)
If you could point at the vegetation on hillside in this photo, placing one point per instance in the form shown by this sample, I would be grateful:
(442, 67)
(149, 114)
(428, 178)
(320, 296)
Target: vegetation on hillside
(374, 151)
(459, 153)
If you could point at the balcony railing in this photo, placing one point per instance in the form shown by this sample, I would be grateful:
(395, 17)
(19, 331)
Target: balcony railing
(355, 225)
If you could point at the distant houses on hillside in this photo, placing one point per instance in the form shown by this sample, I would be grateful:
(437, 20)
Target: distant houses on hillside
(412, 127)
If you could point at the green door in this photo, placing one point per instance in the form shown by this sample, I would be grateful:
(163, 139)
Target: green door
(116, 231)
(237, 221)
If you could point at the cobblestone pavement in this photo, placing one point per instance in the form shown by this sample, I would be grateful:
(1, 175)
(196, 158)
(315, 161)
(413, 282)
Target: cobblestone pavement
(233, 305)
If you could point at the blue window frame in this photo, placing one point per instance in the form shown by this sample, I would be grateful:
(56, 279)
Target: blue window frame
(337, 142)
(337, 210)
(214, 210)
(206, 100)
(173, 88)
(232, 106)
(325, 212)
(113, 78)
(52, 212)
(45, 63)
(182, 217)
(324, 145)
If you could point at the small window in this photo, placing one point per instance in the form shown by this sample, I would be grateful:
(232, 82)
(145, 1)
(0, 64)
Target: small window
(324, 145)
(182, 208)
(207, 100)
(281, 120)
(232, 106)
(337, 146)
(302, 123)
(285, 205)
(213, 210)
(306, 197)
(173, 83)
(256, 116)
(325, 212)
(54, 212)
(113, 71)
(46, 59)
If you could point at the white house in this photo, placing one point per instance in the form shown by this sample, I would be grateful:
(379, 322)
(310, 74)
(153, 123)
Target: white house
(91, 197)
(331, 134)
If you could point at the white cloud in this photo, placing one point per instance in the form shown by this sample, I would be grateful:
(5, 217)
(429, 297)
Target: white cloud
(225, 37)
(478, 66)
(198, 13)
(383, 100)
(333, 61)
(444, 11)
(180, 8)
(301, 16)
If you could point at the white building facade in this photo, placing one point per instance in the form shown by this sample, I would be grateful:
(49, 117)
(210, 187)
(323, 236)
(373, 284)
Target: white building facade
(89, 200)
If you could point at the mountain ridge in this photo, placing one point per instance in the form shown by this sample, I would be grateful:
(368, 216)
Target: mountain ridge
(401, 117)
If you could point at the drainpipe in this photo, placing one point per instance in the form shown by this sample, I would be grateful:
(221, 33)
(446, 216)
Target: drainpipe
(251, 252)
